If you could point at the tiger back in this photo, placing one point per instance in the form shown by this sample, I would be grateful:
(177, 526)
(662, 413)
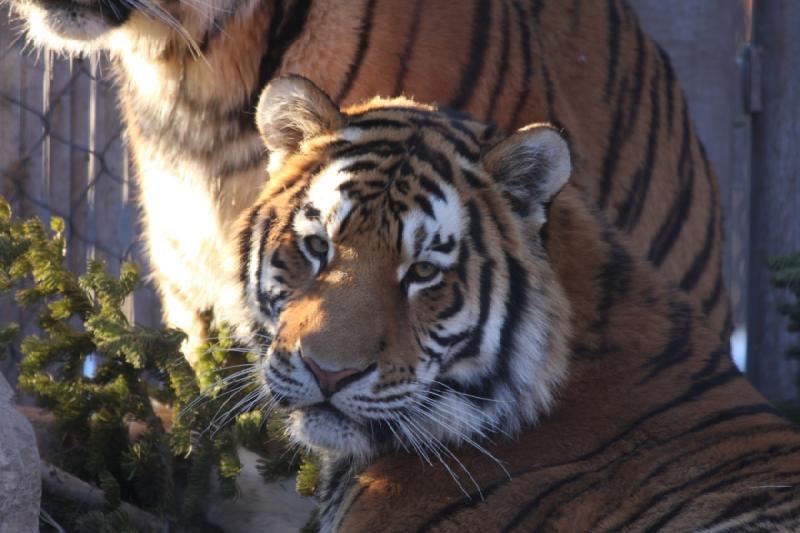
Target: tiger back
(421, 277)
(190, 74)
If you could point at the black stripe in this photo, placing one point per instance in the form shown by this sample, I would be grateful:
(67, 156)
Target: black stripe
(516, 302)
(245, 238)
(475, 227)
(550, 95)
(361, 51)
(376, 123)
(615, 279)
(663, 467)
(431, 187)
(630, 210)
(613, 46)
(727, 324)
(379, 147)
(738, 462)
(438, 161)
(399, 239)
(527, 62)
(615, 141)
(277, 262)
(711, 301)
(449, 340)
(284, 29)
(749, 503)
(481, 24)
(530, 505)
(472, 347)
(411, 40)
(670, 76)
(713, 361)
(679, 347)
(684, 454)
(700, 262)
(473, 180)
(463, 258)
(266, 226)
(671, 227)
(455, 306)
(444, 247)
(458, 145)
(638, 82)
(360, 166)
(731, 414)
(425, 205)
(502, 70)
(676, 508)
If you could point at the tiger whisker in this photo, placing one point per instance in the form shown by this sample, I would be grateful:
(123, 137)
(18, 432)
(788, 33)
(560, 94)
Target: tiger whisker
(489, 425)
(437, 446)
(220, 422)
(230, 395)
(206, 397)
(465, 394)
(463, 436)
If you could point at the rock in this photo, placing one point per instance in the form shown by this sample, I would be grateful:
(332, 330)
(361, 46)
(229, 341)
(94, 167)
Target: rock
(20, 478)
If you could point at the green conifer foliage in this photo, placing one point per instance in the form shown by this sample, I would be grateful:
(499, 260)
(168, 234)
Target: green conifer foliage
(786, 275)
(99, 375)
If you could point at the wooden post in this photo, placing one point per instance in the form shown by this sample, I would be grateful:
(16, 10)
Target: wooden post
(775, 194)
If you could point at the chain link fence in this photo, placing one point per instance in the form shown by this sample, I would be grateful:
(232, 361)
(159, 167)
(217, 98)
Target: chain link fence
(62, 153)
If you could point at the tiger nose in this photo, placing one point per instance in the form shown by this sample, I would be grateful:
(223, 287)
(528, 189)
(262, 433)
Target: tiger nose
(331, 381)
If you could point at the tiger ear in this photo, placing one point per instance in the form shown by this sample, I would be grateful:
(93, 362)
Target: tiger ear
(292, 110)
(532, 166)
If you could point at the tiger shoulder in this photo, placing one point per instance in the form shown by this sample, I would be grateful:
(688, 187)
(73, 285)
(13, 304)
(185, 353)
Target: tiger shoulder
(471, 345)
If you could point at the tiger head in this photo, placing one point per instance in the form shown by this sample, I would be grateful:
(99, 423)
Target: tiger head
(395, 258)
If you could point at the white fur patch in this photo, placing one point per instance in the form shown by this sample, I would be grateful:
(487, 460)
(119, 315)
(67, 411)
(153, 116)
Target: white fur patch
(324, 195)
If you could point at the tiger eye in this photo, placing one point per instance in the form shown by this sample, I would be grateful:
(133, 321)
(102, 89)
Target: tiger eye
(423, 271)
(317, 245)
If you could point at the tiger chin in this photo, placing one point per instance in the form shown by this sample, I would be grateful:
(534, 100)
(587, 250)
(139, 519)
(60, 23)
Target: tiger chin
(395, 258)
(87, 27)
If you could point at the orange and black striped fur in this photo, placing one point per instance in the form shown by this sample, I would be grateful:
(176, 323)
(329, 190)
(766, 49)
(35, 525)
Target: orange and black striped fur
(422, 286)
(190, 73)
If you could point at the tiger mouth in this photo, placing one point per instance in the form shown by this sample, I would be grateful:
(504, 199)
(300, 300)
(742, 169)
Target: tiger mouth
(325, 427)
(70, 14)
(328, 408)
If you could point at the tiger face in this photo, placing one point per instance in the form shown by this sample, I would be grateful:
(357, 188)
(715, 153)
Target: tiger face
(396, 260)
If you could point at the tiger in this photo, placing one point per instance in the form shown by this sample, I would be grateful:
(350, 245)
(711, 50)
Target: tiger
(190, 73)
(471, 344)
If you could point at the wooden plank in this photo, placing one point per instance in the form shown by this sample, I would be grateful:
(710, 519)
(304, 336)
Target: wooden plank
(32, 133)
(79, 167)
(108, 173)
(59, 117)
(775, 195)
